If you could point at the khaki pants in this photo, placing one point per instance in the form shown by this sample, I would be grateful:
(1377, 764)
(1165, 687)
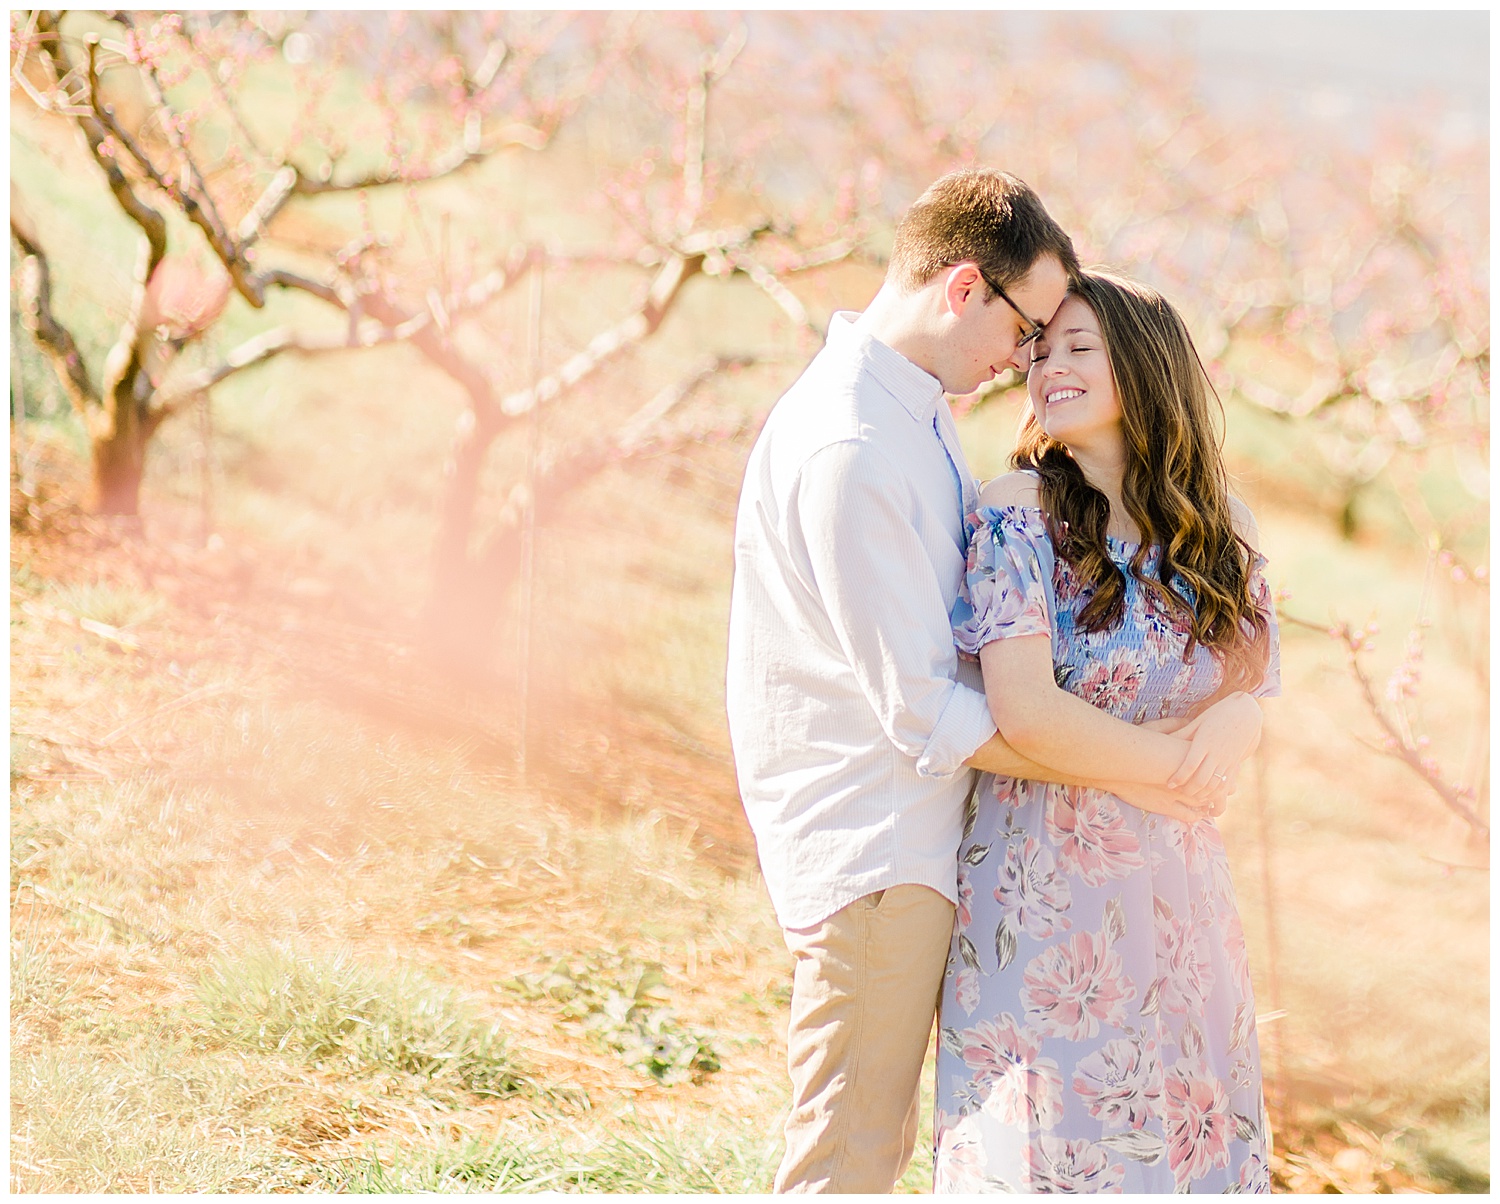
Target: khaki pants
(864, 992)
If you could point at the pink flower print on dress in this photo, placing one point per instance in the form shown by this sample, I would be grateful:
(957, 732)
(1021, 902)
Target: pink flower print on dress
(1200, 1124)
(1110, 684)
(1161, 639)
(1120, 1083)
(1183, 967)
(1197, 844)
(997, 600)
(1238, 954)
(1097, 845)
(966, 989)
(965, 894)
(960, 1155)
(1032, 894)
(1072, 987)
(1020, 1088)
(1255, 1176)
(1057, 1166)
(1004, 790)
(1066, 584)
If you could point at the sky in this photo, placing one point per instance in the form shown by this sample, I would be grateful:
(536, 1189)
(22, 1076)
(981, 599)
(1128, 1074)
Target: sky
(1336, 64)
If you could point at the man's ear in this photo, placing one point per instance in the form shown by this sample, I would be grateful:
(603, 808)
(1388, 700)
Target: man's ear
(962, 286)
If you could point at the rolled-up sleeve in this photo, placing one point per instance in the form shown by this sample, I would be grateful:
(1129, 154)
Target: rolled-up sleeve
(850, 524)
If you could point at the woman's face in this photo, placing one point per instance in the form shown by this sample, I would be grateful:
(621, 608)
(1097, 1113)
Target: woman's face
(1070, 383)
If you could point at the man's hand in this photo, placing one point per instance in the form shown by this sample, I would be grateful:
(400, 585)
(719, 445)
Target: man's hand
(1171, 803)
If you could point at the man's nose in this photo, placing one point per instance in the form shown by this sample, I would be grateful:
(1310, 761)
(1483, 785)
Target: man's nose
(1020, 360)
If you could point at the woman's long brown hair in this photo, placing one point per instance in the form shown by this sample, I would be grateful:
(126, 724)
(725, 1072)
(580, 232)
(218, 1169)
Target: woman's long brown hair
(1175, 486)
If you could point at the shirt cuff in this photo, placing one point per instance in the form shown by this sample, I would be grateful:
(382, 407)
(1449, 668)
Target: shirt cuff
(963, 726)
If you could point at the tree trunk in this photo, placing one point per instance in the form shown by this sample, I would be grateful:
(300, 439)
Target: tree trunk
(119, 463)
(460, 497)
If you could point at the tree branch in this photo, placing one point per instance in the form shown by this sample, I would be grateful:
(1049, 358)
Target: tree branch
(152, 224)
(766, 281)
(1399, 742)
(283, 340)
(35, 302)
(604, 346)
(515, 134)
(193, 194)
(559, 475)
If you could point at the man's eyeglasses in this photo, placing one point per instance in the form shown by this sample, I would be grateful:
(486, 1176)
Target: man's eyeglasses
(1035, 330)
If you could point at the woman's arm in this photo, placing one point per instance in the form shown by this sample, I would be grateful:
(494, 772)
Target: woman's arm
(1047, 724)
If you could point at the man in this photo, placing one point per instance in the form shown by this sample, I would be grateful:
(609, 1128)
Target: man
(854, 729)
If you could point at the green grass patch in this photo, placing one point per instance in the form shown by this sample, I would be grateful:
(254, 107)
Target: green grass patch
(340, 1014)
(621, 1002)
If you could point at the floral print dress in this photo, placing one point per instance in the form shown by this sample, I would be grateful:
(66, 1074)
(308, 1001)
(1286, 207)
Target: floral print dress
(1097, 1028)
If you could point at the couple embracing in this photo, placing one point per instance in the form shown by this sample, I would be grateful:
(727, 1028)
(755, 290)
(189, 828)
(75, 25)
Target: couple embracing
(981, 737)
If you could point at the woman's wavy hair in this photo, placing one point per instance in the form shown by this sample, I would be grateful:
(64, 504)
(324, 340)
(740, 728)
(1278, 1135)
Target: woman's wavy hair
(1175, 486)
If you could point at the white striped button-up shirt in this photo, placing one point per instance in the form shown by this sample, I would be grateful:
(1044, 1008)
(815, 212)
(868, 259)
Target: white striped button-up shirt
(849, 723)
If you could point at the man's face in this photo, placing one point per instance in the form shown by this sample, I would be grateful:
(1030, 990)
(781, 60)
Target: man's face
(986, 337)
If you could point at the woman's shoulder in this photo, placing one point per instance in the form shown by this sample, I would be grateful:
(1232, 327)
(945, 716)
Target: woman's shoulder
(1244, 522)
(1012, 489)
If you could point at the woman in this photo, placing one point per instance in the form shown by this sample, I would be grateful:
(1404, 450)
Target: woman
(1097, 1025)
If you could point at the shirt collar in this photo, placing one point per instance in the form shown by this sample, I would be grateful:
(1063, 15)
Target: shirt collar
(915, 388)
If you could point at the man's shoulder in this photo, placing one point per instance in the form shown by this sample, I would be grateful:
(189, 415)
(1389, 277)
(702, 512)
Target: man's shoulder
(833, 402)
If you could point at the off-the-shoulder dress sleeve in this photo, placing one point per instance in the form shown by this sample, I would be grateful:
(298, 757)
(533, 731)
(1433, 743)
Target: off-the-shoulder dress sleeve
(1007, 585)
(1260, 596)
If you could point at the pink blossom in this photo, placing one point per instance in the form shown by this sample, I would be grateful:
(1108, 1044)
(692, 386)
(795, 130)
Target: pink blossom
(1031, 892)
(1096, 842)
(1120, 1083)
(1071, 987)
(1199, 1123)
(1020, 1087)
(1057, 1166)
(1182, 963)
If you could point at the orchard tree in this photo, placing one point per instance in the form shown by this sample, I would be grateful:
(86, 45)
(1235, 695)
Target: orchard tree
(440, 93)
(160, 101)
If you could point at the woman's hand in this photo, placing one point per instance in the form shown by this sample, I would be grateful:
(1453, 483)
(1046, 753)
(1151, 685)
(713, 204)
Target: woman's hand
(1221, 737)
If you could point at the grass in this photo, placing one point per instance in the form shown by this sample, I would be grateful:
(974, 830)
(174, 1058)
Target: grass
(333, 1011)
(626, 1156)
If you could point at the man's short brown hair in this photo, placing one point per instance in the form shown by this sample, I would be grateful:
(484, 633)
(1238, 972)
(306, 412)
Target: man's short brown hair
(977, 214)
